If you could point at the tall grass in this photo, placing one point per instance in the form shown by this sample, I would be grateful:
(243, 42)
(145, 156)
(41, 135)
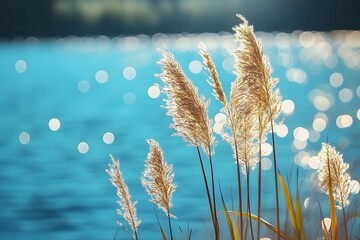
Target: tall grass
(251, 110)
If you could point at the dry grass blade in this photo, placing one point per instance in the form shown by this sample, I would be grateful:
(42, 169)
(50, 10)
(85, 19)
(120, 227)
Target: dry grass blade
(228, 219)
(187, 109)
(216, 84)
(296, 220)
(128, 210)
(271, 227)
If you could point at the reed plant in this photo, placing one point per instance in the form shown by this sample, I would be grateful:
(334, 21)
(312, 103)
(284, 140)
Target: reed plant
(251, 110)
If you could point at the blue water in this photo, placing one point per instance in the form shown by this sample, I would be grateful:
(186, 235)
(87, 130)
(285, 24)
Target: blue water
(49, 190)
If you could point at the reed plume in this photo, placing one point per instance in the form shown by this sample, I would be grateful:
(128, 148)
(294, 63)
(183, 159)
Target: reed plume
(336, 173)
(253, 69)
(190, 118)
(188, 111)
(215, 83)
(128, 210)
(335, 181)
(157, 180)
(242, 122)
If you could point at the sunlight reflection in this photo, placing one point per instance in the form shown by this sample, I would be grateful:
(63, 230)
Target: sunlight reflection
(54, 124)
(83, 147)
(20, 66)
(154, 91)
(101, 76)
(344, 121)
(24, 138)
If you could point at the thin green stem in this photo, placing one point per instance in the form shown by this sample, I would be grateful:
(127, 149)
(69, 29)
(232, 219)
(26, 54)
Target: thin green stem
(169, 220)
(207, 190)
(276, 182)
(344, 216)
(248, 201)
(136, 236)
(239, 190)
(213, 195)
(259, 193)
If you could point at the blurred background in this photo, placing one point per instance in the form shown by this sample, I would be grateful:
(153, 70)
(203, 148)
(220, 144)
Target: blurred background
(54, 18)
(77, 82)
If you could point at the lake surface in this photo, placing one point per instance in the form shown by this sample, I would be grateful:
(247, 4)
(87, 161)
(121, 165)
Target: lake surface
(66, 104)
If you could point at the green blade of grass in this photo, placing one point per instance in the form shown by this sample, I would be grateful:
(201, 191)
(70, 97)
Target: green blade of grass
(271, 227)
(299, 217)
(227, 216)
(161, 229)
(289, 205)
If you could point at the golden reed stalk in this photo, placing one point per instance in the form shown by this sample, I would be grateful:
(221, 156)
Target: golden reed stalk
(188, 111)
(128, 210)
(157, 180)
(337, 175)
(253, 69)
(190, 118)
(216, 84)
(335, 181)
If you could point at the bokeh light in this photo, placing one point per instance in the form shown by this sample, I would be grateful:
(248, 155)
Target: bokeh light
(129, 73)
(301, 134)
(345, 95)
(306, 202)
(299, 145)
(54, 124)
(195, 66)
(336, 79)
(296, 75)
(108, 138)
(319, 124)
(266, 164)
(281, 130)
(266, 149)
(154, 91)
(24, 138)
(101, 76)
(302, 159)
(354, 187)
(220, 117)
(83, 147)
(287, 107)
(84, 86)
(218, 127)
(344, 121)
(314, 162)
(20, 66)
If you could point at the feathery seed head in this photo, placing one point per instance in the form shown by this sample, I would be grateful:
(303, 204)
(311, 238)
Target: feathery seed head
(187, 109)
(128, 210)
(157, 178)
(216, 85)
(332, 168)
(253, 68)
